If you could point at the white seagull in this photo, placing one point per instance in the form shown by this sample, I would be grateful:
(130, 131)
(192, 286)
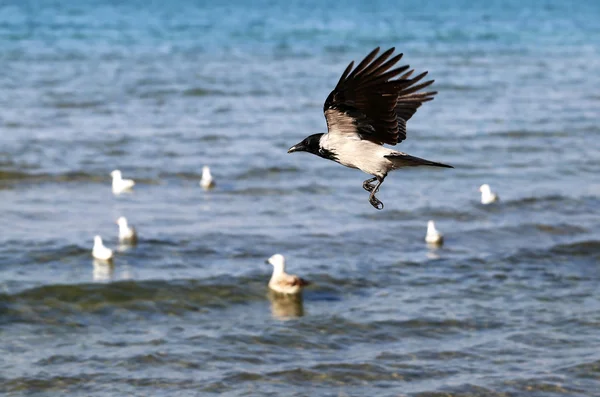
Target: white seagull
(127, 234)
(100, 251)
(119, 184)
(487, 197)
(281, 281)
(433, 237)
(207, 182)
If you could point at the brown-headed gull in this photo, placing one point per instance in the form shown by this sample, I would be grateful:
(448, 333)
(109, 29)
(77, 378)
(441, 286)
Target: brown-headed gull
(433, 237)
(119, 184)
(487, 196)
(207, 182)
(127, 234)
(100, 252)
(281, 281)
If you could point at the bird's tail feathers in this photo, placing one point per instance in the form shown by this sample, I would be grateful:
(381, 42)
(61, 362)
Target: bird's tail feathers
(406, 160)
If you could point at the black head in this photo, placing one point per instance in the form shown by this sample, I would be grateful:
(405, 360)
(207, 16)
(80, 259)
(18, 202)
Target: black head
(309, 144)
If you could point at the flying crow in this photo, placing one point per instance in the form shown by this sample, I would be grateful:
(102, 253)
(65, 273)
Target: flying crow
(366, 109)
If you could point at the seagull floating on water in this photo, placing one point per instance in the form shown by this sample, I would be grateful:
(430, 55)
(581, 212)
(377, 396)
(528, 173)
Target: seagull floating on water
(433, 236)
(281, 281)
(100, 251)
(365, 110)
(207, 181)
(487, 197)
(119, 184)
(127, 234)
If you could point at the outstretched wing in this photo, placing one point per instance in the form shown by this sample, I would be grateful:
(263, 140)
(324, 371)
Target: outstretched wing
(367, 101)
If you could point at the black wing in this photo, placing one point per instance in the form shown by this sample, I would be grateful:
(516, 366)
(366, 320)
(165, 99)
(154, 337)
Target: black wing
(366, 101)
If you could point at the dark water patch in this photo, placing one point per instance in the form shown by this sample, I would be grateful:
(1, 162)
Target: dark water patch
(325, 283)
(97, 382)
(437, 327)
(64, 104)
(339, 49)
(75, 176)
(392, 214)
(340, 374)
(202, 92)
(155, 93)
(536, 339)
(589, 370)
(212, 138)
(258, 191)
(562, 265)
(560, 229)
(544, 387)
(16, 177)
(516, 134)
(238, 357)
(428, 355)
(128, 343)
(557, 203)
(44, 383)
(342, 331)
(589, 248)
(448, 213)
(58, 304)
(283, 343)
(189, 248)
(165, 242)
(175, 362)
(466, 390)
(458, 87)
(58, 360)
(266, 172)
(62, 254)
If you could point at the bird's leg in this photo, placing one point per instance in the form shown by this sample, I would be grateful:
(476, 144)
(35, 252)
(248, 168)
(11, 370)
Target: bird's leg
(372, 199)
(367, 184)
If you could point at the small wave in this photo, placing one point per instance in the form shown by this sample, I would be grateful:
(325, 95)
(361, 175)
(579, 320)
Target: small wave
(77, 105)
(12, 177)
(75, 176)
(258, 191)
(66, 304)
(427, 355)
(543, 202)
(266, 172)
(200, 92)
(561, 229)
(336, 373)
(586, 370)
(458, 87)
(583, 248)
(40, 256)
(529, 133)
(547, 386)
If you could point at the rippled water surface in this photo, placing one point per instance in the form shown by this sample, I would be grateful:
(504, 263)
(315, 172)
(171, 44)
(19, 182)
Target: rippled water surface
(509, 306)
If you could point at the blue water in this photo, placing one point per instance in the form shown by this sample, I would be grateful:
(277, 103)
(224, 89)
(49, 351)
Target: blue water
(509, 306)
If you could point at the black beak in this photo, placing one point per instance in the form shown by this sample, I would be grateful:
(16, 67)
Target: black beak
(297, 148)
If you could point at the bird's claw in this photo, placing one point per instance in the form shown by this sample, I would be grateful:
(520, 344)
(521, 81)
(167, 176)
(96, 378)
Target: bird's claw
(368, 187)
(376, 203)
